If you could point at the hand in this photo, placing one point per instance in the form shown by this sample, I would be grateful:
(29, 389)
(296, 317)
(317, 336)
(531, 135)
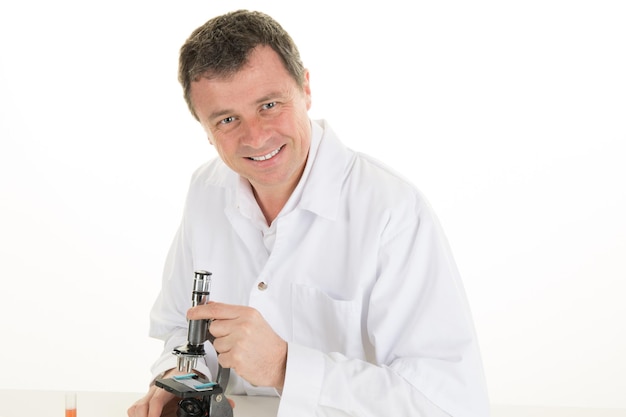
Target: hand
(245, 342)
(157, 402)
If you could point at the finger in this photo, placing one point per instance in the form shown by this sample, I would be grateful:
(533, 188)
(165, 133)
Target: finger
(133, 411)
(214, 310)
(222, 359)
(158, 401)
(141, 406)
(231, 359)
(221, 328)
(170, 409)
(223, 344)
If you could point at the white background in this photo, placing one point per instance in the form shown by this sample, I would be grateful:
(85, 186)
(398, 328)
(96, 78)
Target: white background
(510, 116)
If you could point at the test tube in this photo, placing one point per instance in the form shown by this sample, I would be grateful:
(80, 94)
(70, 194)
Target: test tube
(70, 404)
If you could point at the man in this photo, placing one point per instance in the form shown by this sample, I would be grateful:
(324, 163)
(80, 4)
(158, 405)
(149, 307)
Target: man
(333, 284)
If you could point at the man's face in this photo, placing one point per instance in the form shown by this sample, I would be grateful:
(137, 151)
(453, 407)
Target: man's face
(257, 120)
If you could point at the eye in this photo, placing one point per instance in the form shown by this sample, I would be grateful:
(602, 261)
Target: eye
(269, 105)
(227, 120)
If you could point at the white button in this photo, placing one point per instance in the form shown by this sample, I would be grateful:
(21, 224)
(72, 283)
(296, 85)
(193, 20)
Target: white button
(262, 286)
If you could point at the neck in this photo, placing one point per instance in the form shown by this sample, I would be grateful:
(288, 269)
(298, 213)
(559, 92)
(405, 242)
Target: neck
(271, 202)
(272, 198)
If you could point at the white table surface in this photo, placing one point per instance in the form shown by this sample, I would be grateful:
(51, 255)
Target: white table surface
(20, 403)
(532, 411)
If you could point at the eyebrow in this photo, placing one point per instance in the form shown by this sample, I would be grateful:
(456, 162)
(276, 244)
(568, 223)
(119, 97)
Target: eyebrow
(220, 113)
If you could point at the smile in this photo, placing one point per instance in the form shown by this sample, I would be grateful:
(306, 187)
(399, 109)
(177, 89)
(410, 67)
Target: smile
(266, 157)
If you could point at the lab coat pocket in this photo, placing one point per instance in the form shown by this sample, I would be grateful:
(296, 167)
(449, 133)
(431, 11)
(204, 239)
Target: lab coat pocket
(324, 323)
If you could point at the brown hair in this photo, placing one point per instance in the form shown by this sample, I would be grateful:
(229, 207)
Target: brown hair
(221, 46)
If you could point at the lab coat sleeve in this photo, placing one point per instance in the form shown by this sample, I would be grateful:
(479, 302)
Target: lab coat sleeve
(426, 362)
(333, 385)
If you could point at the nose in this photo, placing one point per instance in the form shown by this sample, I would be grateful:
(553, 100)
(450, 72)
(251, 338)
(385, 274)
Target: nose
(255, 132)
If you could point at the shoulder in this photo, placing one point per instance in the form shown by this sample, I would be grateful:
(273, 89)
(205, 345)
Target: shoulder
(212, 183)
(380, 182)
(213, 172)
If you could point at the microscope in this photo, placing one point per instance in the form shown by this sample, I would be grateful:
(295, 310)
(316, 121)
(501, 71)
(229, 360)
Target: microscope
(199, 396)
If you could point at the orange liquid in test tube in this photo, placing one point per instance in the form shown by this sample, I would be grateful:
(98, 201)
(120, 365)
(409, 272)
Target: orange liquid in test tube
(70, 404)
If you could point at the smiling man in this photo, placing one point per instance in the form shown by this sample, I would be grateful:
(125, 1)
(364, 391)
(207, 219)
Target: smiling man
(334, 286)
(257, 120)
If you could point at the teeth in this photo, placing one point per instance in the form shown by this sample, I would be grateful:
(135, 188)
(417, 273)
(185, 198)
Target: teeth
(266, 157)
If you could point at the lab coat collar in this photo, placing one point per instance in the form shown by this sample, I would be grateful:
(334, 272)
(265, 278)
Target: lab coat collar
(329, 166)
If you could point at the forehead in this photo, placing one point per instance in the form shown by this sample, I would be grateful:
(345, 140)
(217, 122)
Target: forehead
(263, 75)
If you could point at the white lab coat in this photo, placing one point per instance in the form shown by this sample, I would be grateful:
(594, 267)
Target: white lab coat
(360, 282)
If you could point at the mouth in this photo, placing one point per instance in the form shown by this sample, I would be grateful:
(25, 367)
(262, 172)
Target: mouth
(266, 156)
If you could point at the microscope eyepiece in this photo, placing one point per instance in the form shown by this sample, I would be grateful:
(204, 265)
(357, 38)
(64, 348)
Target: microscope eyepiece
(187, 355)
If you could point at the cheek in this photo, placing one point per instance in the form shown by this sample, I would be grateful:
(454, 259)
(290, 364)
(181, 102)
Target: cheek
(224, 149)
